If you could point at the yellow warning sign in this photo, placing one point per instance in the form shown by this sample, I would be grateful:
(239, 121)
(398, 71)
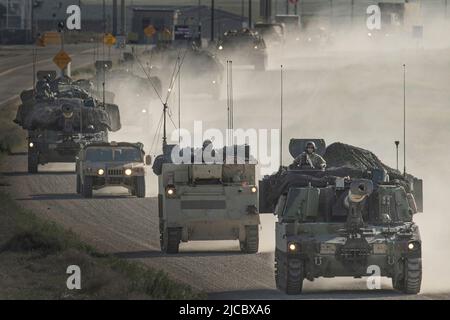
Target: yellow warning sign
(62, 59)
(150, 31)
(109, 40)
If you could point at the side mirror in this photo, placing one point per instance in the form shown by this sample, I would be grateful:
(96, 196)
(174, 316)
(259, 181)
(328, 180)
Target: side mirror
(148, 160)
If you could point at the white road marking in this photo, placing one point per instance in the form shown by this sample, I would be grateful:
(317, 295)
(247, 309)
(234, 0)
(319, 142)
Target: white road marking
(6, 72)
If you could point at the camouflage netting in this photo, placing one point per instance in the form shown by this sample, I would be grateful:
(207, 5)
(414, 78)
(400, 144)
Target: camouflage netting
(343, 161)
(339, 155)
(49, 115)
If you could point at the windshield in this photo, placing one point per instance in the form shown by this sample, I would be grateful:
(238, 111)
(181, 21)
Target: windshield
(99, 154)
(114, 154)
(127, 154)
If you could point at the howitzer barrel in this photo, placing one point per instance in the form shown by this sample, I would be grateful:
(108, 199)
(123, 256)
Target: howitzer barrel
(359, 191)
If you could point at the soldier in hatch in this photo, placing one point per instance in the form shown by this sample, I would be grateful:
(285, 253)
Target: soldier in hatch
(310, 159)
(43, 89)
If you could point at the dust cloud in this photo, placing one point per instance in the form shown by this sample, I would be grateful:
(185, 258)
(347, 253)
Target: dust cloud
(348, 89)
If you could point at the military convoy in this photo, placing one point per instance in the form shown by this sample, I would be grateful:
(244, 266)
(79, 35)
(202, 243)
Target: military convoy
(100, 165)
(202, 202)
(351, 220)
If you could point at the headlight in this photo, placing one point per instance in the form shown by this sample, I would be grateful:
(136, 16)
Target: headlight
(214, 82)
(101, 172)
(369, 34)
(254, 189)
(220, 48)
(413, 246)
(171, 192)
(31, 145)
(128, 172)
(256, 47)
(144, 111)
(293, 247)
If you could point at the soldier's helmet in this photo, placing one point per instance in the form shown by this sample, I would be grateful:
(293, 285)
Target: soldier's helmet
(206, 144)
(311, 144)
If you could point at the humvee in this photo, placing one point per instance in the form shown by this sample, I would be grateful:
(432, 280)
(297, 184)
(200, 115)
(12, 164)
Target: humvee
(100, 165)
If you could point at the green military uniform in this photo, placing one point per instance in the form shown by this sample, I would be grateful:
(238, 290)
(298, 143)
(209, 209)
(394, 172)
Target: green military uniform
(313, 161)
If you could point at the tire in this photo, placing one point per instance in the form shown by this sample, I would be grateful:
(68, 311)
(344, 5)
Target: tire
(412, 278)
(78, 184)
(289, 275)
(33, 162)
(140, 187)
(251, 243)
(171, 241)
(87, 187)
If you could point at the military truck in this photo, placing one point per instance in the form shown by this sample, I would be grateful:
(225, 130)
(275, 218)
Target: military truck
(352, 220)
(100, 165)
(202, 202)
(243, 47)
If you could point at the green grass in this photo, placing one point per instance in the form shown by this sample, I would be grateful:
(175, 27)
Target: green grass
(35, 254)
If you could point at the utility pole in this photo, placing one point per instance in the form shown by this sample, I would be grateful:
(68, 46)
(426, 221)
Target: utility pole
(352, 11)
(446, 8)
(287, 6)
(212, 21)
(122, 17)
(243, 12)
(115, 13)
(250, 14)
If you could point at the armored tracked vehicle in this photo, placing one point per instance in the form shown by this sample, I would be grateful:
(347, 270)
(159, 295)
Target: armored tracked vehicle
(201, 202)
(59, 121)
(101, 165)
(355, 219)
(243, 47)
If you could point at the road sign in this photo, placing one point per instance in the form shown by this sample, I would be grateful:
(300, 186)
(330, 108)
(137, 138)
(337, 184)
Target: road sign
(62, 59)
(150, 31)
(185, 32)
(109, 40)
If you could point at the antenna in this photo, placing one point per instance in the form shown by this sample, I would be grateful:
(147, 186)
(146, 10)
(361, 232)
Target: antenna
(165, 126)
(281, 116)
(179, 99)
(404, 119)
(397, 143)
(230, 101)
